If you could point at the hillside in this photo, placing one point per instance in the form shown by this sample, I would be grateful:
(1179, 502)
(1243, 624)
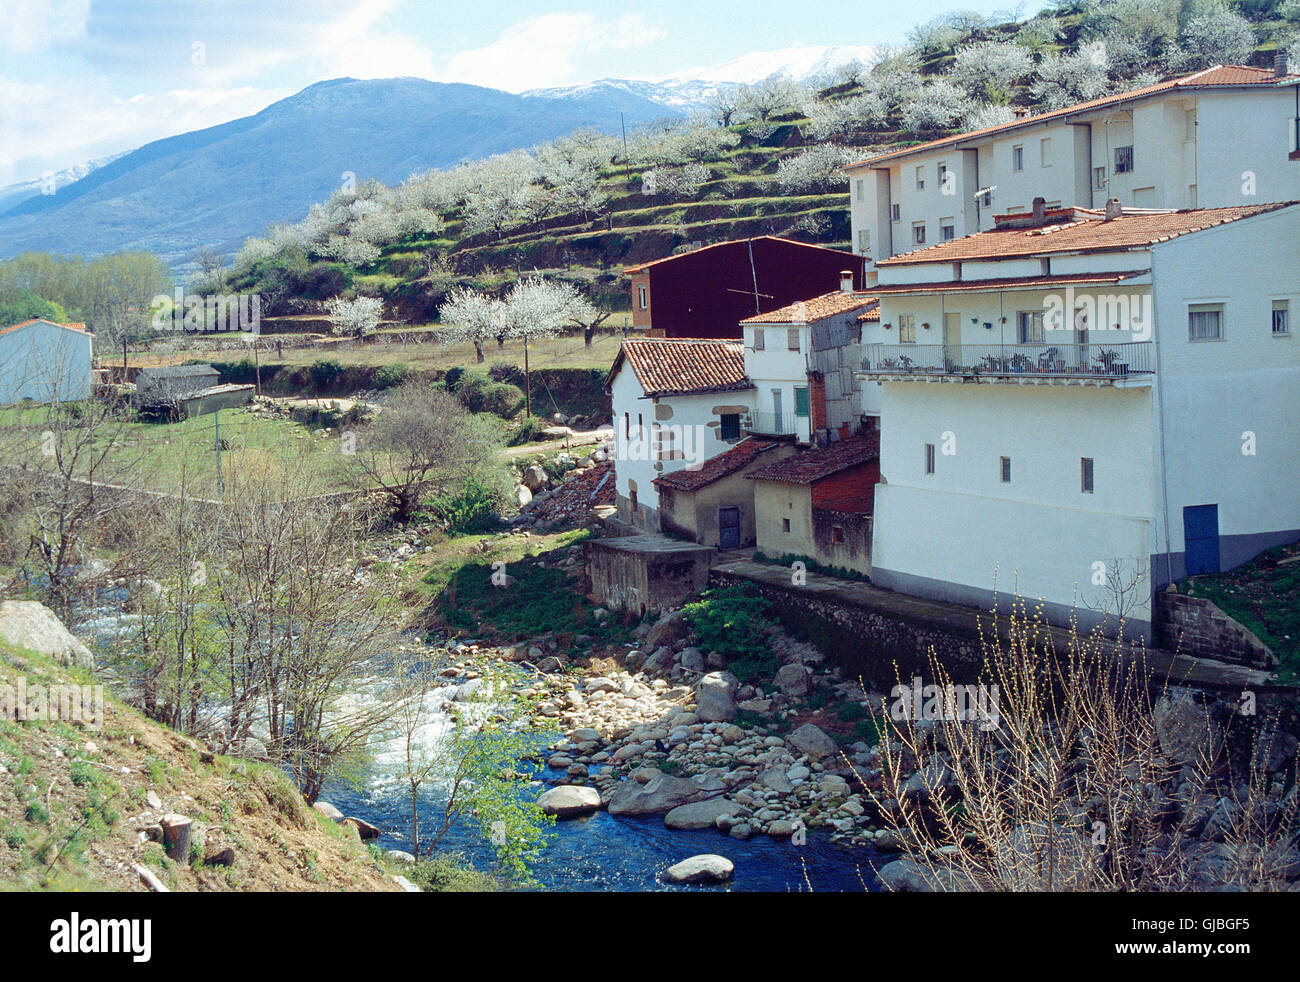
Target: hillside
(76, 805)
(765, 160)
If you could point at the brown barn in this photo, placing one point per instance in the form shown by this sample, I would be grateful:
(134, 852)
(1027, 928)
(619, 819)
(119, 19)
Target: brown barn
(707, 292)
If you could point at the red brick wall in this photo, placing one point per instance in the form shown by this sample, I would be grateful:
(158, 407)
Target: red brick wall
(851, 490)
(817, 400)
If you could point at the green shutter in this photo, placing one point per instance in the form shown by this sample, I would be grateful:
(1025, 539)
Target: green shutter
(801, 401)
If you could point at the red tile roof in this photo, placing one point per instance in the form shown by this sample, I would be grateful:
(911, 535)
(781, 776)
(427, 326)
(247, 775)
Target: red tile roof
(1218, 76)
(814, 309)
(811, 466)
(716, 468)
(681, 366)
(1016, 283)
(78, 326)
(1090, 232)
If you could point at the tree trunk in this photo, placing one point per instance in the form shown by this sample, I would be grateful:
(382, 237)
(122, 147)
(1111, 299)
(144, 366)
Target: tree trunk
(478, 350)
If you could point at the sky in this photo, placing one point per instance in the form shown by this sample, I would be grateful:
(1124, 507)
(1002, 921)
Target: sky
(86, 78)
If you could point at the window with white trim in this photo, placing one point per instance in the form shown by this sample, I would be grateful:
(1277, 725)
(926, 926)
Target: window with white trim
(1123, 159)
(947, 230)
(760, 342)
(1029, 327)
(1017, 158)
(642, 297)
(864, 241)
(907, 328)
(1098, 178)
(1045, 152)
(920, 178)
(918, 233)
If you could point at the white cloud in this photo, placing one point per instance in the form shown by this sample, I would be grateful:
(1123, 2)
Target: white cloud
(28, 26)
(546, 50)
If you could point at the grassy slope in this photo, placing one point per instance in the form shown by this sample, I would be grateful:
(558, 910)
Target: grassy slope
(70, 798)
(1264, 596)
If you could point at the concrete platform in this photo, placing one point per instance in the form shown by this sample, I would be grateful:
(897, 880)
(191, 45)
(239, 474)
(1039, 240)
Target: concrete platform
(647, 572)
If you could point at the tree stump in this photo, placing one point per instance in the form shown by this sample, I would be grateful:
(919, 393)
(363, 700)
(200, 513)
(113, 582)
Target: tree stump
(176, 837)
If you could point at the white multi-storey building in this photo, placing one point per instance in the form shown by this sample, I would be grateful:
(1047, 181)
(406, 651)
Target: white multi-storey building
(1223, 136)
(1086, 402)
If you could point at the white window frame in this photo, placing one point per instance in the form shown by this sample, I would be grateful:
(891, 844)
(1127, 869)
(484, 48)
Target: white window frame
(643, 297)
(760, 341)
(1036, 327)
(907, 326)
(918, 233)
(1280, 305)
(920, 178)
(1018, 158)
(947, 225)
(1045, 152)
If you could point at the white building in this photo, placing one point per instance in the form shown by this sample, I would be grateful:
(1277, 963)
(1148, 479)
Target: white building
(801, 359)
(676, 404)
(45, 361)
(1226, 135)
(1070, 401)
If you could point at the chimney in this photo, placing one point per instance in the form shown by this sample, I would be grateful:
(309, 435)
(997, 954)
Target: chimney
(846, 281)
(1040, 208)
(1113, 209)
(1279, 63)
(1020, 111)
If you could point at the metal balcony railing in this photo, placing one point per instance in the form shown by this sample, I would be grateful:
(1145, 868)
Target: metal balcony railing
(770, 424)
(1010, 360)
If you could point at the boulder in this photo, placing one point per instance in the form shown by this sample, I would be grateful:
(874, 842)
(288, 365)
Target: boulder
(707, 868)
(1185, 727)
(693, 660)
(523, 496)
(793, 680)
(365, 831)
(32, 625)
(570, 801)
(701, 814)
(810, 740)
(328, 810)
(668, 630)
(534, 478)
(658, 795)
(715, 697)
(399, 856)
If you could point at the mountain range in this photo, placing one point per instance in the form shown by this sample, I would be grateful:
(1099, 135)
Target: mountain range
(216, 186)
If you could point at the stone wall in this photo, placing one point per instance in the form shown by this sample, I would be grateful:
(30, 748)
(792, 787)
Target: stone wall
(867, 642)
(645, 573)
(1197, 626)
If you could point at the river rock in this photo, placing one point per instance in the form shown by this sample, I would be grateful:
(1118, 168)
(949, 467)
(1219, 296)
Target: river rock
(326, 809)
(658, 795)
(700, 814)
(32, 625)
(714, 695)
(364, 829)
(668, 630)
(793, 680)
(810, 740)
(570, 801)
(707, 868)
(1184, 726)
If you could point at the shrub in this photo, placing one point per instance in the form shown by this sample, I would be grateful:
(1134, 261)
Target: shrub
(732, 621)
(390, 376)
(325, 372)
(472, 507)
(528, 431)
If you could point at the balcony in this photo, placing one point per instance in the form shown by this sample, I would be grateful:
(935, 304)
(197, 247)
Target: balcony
(773, 424)
(1050, 362)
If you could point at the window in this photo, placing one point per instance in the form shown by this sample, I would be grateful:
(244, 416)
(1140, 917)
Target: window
(1085, 475)
(987, 199)
(929, 458)
(785, 525)
(907, 328)
(1017, 158)
(1281, 317)
(1189, 125)
(1123, 159)
(918, 233)
(1098, 178)
(1005, 469)
(760, 342)
(860, 187)
(792, 339)
(947, 232)
(1029, 325)
(1045, 152)
(943, 178)
(801, 401)
(896, 212)
(642, 298)
(864, 241)
(730, 426)
(920, 178)
(837, 534)
(631, 500)
(1205, 322)
(627, 426)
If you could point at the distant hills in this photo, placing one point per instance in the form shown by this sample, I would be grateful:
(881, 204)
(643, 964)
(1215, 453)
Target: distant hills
(217, 186)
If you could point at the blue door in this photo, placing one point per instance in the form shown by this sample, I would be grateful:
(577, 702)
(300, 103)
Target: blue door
(1201, 538)
(728, 528)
